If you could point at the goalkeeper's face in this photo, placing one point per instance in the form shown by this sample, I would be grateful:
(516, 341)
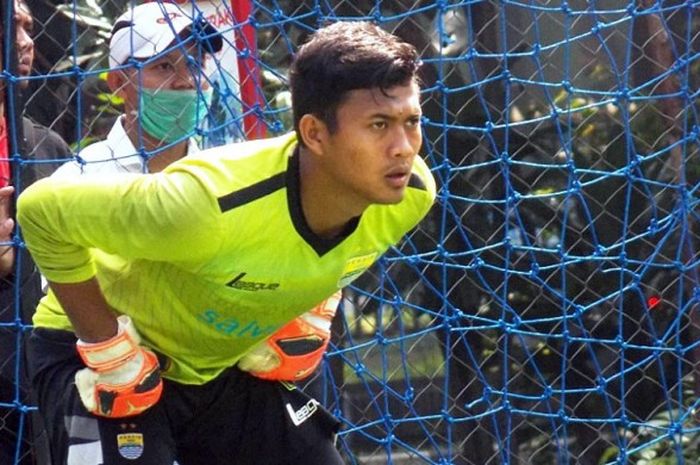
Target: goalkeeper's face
(370, 153)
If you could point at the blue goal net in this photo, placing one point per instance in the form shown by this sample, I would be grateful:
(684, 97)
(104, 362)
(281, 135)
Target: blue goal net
(546, 311)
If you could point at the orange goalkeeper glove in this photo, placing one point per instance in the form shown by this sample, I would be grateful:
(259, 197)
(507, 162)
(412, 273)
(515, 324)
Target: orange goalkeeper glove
(295, 350)
(121, 379)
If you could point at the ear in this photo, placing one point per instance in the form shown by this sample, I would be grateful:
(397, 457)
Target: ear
(313, 133)
(116, 80)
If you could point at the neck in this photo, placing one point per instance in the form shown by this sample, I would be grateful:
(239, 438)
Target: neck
(326, 208)
(163, 158)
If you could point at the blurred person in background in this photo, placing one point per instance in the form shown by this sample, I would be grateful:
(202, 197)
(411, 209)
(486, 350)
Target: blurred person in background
(38, 142)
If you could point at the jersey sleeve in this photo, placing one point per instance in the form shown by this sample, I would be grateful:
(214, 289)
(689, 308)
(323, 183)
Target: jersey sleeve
(157, 217)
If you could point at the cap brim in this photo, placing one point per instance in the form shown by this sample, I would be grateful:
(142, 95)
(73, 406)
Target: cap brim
(214, 38)
(210, 36)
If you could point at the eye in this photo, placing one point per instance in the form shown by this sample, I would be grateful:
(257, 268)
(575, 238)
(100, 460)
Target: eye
(164, 66)
(24, 20)
(413, 122)
(379, 125)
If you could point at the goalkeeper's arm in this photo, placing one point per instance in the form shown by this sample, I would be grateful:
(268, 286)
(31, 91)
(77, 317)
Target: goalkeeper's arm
(87, 309)
(121, 378)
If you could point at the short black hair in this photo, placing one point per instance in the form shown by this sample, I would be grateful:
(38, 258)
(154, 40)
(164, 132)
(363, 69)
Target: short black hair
(346, 56)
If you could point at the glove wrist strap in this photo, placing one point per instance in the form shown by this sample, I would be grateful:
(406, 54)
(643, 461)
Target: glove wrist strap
(112, 353)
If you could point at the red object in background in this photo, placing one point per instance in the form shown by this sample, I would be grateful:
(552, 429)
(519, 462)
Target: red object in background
(653, 301)
(248, 70)
(4, 161)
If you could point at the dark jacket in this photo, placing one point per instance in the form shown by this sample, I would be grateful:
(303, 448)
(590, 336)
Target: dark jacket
(43, 145)
(21, 290)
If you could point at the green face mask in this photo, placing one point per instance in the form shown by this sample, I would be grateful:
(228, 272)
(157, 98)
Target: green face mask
(169, 115)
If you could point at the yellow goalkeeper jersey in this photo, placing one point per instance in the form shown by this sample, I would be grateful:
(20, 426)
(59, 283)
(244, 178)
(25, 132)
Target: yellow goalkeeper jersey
(211, 255)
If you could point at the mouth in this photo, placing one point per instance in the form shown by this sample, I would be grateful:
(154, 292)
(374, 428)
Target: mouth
(398, 177)
(23, 69)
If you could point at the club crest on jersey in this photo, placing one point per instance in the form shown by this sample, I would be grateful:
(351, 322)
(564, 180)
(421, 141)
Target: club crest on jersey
(354, 267)
(130, 445)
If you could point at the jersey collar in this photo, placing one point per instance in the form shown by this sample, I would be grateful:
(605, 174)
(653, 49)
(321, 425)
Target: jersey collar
(320, 245)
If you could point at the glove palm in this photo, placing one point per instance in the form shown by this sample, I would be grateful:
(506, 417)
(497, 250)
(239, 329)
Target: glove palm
(294, 351)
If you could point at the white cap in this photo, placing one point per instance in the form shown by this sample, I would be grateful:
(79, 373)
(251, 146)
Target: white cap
(149, 29)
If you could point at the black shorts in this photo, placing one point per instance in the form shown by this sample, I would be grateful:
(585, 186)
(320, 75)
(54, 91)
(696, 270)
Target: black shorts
(234, 419)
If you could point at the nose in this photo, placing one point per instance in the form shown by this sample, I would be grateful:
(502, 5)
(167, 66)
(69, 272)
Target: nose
(184, 79)
(24, 40)
(406, 142)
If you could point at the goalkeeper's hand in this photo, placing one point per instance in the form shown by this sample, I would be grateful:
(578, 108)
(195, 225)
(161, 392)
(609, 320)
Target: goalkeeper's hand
(295, 350)
(121, 379)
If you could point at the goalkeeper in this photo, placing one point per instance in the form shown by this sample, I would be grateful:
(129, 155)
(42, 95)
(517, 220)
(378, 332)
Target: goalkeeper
(166, 282)
(164, 100)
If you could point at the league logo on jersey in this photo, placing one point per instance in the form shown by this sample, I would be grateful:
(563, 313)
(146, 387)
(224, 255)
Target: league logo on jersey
(238, 283)
(300, 416)
(130, 445)
(355, 267)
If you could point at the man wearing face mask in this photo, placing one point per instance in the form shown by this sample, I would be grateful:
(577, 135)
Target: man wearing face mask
(157, 54)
